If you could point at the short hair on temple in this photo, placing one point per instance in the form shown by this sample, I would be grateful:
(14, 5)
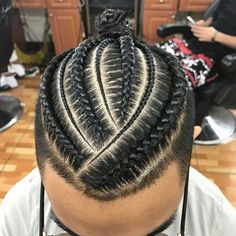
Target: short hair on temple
(114, 113)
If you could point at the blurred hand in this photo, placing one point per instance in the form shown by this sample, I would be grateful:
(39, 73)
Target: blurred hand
(204, 22)
(203, 33)
(200, 22)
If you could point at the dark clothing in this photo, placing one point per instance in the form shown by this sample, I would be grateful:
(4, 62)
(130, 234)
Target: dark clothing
(224, 20)
(5, 6)
(6, 44)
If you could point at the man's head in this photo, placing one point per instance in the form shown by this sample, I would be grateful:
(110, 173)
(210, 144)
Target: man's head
(114, 127)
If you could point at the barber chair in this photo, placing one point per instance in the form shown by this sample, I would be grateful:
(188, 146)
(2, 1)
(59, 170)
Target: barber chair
(213, 99)
(11, 110)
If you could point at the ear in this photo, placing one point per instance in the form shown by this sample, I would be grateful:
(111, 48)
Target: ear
(197, 131)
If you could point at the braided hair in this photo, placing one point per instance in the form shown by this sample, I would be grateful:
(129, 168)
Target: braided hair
(113, 113)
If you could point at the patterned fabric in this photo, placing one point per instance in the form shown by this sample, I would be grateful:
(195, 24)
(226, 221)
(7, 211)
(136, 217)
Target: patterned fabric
(198, 67)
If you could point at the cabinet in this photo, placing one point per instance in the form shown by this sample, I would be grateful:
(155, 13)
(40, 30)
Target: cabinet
(65, 21)
(62, 3)
(29, 3)
(160, 4)
(66, 27)
(194, 5)
(64, 18)
(157, 12)
(152, 19)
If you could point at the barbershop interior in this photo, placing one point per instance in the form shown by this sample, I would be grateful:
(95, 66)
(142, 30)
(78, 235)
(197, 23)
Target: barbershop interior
(189, 46)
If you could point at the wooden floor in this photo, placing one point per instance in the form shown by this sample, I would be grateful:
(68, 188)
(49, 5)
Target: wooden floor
(17, 156)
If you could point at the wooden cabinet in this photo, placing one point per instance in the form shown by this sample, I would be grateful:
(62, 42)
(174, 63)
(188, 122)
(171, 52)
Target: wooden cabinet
(160, 4)
(66, 28)
(152, 19)
(64, 17)
(157, 12)
(194, 5)
(29, 3)
(62, 3)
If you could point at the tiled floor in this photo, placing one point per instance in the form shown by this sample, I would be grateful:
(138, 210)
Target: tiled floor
(17, 143)
(17, 149)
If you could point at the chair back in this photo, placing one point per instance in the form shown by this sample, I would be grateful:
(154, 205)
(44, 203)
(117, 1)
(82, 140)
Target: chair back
(211, 9)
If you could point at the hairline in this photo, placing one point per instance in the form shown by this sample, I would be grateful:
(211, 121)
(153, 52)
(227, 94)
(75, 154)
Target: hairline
(156, 230)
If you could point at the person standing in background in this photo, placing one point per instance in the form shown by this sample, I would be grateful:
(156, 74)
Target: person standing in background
(7, 80)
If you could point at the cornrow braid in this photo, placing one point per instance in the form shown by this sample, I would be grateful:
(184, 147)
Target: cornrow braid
(51, 123)
(100, 49)
(79, 95)
(119, 112)
(63, 96)
(127, 53)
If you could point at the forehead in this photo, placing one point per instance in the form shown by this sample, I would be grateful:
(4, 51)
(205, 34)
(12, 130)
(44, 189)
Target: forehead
(142, 211)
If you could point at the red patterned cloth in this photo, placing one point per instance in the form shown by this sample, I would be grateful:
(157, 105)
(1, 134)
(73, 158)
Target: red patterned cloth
(198, 67)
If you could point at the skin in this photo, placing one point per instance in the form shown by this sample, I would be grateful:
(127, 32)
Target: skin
(205, 33)
(207, 22)
(135, 215)
(226, 39)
